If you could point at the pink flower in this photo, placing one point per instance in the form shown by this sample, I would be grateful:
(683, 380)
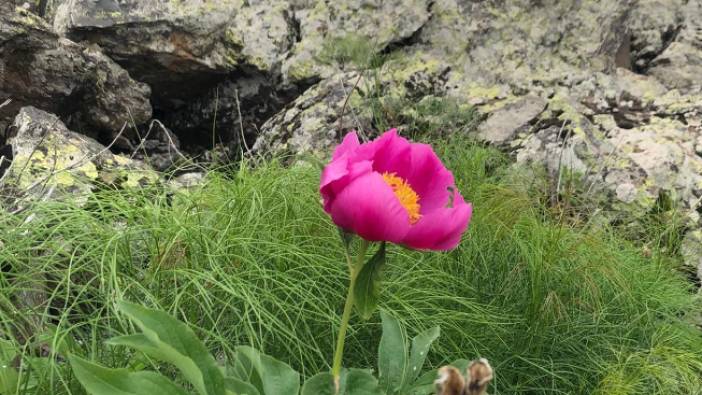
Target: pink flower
(392, 190)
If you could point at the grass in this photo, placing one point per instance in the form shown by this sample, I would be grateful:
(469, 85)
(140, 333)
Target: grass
(251, 258)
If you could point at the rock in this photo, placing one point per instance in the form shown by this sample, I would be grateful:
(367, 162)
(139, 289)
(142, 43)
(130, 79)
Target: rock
(255, 98)
(691, 251)
(182, 48)
(504, 124)
(310, 124)
(384, 22)
(186, 181)
(526, 42)
(57, 75)
(51, 162)
(679, 66)
(653, 25)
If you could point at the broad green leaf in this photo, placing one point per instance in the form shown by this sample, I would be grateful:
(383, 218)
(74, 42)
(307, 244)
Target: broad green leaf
(392, 354)
(353, 382)
(424, 385)
(99, 380)
(319, 384)
(367, 286)
(169, 340)
(418, 354)
(272, 376)
(9, 379)
(240, 387)
(360, 382)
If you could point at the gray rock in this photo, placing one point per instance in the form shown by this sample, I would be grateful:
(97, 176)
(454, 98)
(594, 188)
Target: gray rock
(51, 162)
(504, 124)
(181, 48)
(524, 42)
(383, 22)
(310, 124)
(691, 251)
(55, 74)
(679, 66)
(653, 25)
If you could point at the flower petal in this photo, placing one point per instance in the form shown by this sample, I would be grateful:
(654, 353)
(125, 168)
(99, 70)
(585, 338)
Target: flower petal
(368, 207)
(429, 178)
(441, 229)
(349, 144)
(391, 153)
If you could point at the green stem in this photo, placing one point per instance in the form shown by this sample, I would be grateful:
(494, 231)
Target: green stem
(346, 316)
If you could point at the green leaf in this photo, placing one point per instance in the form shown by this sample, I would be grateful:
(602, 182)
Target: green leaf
(367, 286)
(418, 354)
(392, 354)
(271, 377)
(353, 382)
(319, 384)
(240, 387)
(360, 382)
(169, 340)
(9, 379)
(99, 380)
(424, 385)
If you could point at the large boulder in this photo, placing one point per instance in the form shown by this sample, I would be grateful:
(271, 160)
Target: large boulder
(39, 68)
(310, 124)
(679, 65)
(48, 161)
(381, 22)
(181, 48)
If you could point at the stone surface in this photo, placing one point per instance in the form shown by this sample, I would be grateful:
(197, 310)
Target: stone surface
(310, 123)
(182, 48)
(51, 162)
(679, 66)
(383, 22)
(57, 75)
(503, 125)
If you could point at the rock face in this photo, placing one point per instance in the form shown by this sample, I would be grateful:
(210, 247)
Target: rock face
(310, 123)
(173, 45)
(75, 81)
(51, 162)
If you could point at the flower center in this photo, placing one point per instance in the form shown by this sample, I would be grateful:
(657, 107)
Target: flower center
(407, 196)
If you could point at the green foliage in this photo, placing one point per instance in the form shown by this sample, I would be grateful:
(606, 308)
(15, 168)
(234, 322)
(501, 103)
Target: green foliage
(252, 259)
(367, 289)
(101, 380)
(268, 375)
(168, 340)
(251, 372)
(398, 370)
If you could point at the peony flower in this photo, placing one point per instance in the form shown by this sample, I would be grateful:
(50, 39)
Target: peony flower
(392, 190)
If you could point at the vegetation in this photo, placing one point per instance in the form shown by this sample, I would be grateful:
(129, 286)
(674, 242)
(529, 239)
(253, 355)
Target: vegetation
(251, 259)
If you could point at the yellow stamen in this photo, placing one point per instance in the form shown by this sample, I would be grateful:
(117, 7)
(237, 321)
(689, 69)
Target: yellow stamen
(407, 196)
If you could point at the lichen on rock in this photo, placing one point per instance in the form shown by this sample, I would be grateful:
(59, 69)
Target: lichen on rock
(51, 162)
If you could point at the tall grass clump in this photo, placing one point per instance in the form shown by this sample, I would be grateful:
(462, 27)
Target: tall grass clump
(250, 258)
